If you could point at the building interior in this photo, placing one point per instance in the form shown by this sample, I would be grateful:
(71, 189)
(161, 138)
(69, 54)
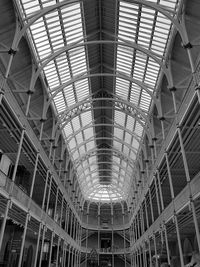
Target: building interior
(99, 133)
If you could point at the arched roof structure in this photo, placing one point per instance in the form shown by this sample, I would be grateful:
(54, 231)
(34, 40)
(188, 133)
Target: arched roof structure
(102, 101)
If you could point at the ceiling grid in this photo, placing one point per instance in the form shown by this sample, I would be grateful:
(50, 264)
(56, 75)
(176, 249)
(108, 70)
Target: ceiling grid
(103, 175)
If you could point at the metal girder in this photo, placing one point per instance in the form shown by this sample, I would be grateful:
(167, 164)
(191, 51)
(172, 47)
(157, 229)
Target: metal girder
(92, 152)
(114, 182)
(118, 74)
(114, 163)
(103, 138)
(116, 189)
(104, 162)
(85, 107)
(114, 125)
(180, 27)
(101, 154)
(97, 42)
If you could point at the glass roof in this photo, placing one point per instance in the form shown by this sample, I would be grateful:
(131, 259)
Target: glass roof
(65, 26)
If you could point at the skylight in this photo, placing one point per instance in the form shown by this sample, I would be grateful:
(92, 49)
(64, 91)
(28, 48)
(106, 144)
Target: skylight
(151, 30)
(64, 27)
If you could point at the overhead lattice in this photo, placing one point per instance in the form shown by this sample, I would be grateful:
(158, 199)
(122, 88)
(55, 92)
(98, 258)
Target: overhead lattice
(103, 159)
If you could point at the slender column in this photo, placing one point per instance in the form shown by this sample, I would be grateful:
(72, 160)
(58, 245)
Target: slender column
(37, 246)
(99, 212)
(144, 256)
(162, 119)
(23, 240)
(76, 232)
(131, 256)
(134, 259)
(175, 215)
(157, 197)
(49, 193)
(11, 53)
(152, 153)
(140, 256)
(138, 225)
(151, 206)
(167, 245)
(61, 211)
(150, 256)
(69, 258)
(56, 204)
(66, 171)
(112, 234)
(45, 189)
(57, 253)
(62, 245)
(154, 144)
(74, 227)
(67, 218)
(87, 236)
(72, 218)
(63, 254)
(34, 175)
(36, 163)
(123, 214)
(75, 258)
(155, 248)
(142, 220)
(3, 226)
(20, 144)
(72, 257)
(189, 187)
(17, 157)
(50, 252)
(79, 261)
(145, 205)
(136, 231)
(164, 226)
(41, 251)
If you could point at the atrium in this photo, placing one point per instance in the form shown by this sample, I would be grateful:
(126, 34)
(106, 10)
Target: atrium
(99, 133)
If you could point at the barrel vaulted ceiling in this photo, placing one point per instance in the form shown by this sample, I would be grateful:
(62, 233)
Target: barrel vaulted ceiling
(101, 60)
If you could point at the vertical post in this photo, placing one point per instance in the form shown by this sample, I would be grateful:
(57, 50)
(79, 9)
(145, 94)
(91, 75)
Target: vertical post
(145, 256)
(34, 175)
(150, 256)
(23, 240)
(50, 251)
(41, 251)
(45, 189)
(20, 144)
(3, 226)
(151, 205)
(140, 256)
(11, 52)
(71, 223)
(57, 253)
(61, 212)
(164, 226)
(189, 187)
(99, 213)
(49, 193)
(37, 246)
(157, 196)
(155, 248)
(56, 204)
(123, 214)
(87, 236)
(72, 258)
(69, 258)
(175, 215)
